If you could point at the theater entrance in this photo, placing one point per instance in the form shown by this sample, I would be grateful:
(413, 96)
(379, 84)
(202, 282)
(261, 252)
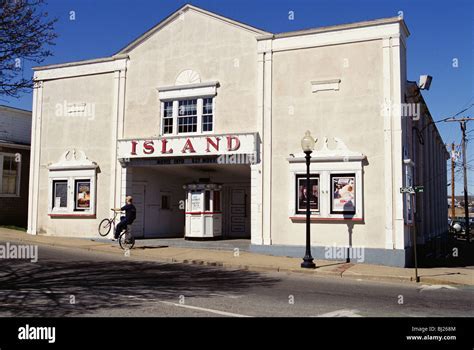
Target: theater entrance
(168, 201)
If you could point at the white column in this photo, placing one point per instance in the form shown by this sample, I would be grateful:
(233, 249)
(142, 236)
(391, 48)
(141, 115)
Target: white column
(36, 148)
(256, 173)
(387, 125)
(33, 154)
(256, 204)
(267, 145)
(397, 144)
(119, 172)
(126, 180)
(114, 128)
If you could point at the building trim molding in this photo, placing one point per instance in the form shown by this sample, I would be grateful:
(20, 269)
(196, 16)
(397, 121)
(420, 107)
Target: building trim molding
(81, 68)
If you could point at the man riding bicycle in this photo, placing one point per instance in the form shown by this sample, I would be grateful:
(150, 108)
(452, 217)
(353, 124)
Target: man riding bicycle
(130, 216)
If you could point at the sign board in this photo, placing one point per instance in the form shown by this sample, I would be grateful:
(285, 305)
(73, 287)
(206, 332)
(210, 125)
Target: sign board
(419, 189)
(407, 190)
(196, 202)
(411, 190)
(207, 145)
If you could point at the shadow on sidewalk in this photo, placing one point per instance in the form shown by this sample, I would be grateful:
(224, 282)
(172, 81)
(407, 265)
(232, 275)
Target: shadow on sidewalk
(46, 288)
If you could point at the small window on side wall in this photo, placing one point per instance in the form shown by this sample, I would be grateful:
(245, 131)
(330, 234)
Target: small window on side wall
(10, 167)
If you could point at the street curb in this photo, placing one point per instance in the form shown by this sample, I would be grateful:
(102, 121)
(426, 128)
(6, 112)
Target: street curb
(98, 247)
(384, 278)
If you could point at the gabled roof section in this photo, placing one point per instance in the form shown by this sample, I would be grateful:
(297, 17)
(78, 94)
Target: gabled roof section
(176, 15)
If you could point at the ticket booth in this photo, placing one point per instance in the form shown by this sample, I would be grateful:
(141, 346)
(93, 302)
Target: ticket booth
(203, 211)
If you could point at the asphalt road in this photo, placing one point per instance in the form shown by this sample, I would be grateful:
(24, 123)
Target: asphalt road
(73, 282)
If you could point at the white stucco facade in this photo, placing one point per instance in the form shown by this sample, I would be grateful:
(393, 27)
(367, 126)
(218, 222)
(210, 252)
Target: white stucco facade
(204, 99)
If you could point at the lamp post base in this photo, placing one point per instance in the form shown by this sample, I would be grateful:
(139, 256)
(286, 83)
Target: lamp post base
(308, 263)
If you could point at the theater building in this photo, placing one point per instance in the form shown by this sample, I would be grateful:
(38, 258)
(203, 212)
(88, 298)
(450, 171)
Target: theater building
(200, 119)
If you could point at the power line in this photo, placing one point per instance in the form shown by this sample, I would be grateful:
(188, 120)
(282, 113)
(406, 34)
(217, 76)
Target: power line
(458, 113)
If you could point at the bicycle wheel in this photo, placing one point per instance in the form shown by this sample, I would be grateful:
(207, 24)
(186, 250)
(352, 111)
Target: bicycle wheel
(104, 227)
(126, 241)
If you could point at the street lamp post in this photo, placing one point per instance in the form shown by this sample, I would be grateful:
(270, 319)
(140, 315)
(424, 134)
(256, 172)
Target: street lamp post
(307, 144)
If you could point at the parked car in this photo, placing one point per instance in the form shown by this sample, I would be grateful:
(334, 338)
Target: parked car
(457, 227)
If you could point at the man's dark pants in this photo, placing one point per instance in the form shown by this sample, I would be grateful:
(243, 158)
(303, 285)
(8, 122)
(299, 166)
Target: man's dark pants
(122, 225)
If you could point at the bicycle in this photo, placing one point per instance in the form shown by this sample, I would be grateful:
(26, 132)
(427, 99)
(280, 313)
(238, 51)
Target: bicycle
(126, 239)
(106, 224)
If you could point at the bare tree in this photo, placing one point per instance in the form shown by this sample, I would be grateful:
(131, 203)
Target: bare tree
(25, 35)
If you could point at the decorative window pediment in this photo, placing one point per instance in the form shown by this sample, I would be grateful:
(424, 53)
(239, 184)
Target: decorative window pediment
(341, 153)
(188, 85)
(73, 159)
(187, 77)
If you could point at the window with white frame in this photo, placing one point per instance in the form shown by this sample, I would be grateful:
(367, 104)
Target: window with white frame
(72, 185)
(207, 114)
(168, 117)
(186, 116)
(72, 192)
(336, 184)
(188, 107)
(10, 168)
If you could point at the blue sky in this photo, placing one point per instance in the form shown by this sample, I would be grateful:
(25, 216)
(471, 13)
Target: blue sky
(441, 31)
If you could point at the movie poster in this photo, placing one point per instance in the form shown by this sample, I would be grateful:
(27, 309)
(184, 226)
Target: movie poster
(83, 195)
(343, 193)
(303, 195)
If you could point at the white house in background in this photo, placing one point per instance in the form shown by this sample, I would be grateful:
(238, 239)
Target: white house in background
(201, 117)
(15, 133)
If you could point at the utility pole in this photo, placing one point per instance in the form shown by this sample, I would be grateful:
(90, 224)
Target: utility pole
(462, 122)
(453, 164)
(464, 162)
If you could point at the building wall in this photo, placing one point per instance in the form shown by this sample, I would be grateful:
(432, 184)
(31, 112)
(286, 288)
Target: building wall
(432, 173)
(91, 133)
(352, 114)
(14, 210)
(215, 50)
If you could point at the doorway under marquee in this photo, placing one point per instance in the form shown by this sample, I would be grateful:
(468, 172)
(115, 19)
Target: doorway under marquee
(160, 197)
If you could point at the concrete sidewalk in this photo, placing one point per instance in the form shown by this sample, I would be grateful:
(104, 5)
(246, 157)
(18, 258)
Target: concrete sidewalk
(252, 261)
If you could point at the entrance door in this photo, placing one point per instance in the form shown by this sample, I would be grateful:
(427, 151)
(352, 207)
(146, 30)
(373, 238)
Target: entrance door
(165, 214)
(138, 194)
(237, 214)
